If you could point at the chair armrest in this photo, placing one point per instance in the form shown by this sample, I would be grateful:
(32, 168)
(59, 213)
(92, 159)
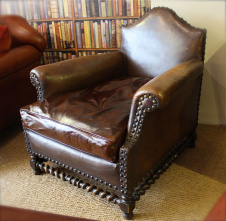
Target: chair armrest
(166, 86)
(163, 112)
(22, 33)
(76, 73)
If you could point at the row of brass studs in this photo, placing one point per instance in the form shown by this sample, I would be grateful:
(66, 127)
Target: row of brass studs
(76, 182)
(133, 137)
(123, 171)
(109, 185)
(72, 169)
(35, 82)
(140, 115)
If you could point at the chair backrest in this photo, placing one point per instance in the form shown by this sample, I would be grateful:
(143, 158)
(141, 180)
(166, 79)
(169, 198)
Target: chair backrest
(159, 41)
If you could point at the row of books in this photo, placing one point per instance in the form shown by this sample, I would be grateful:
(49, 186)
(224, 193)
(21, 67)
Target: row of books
(101, 33)
(87, 53)
(58, 35)
(50, 57)
(37, 9)
(109, 8)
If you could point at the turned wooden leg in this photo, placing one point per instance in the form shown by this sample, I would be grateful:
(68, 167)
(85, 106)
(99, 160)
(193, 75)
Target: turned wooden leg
(192, 139)
(127, 206)
(34, 160)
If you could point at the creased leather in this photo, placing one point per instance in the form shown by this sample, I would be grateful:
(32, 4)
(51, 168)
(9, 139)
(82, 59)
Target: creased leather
(93, 120)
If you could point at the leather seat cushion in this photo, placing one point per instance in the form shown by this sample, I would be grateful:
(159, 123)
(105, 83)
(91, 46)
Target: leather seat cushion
(93, 120)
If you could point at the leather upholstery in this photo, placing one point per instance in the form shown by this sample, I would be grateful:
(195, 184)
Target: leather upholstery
(5, 38)
(158, 51)
(142, 100)
(71, 74)
(15, 65)
(78, 118)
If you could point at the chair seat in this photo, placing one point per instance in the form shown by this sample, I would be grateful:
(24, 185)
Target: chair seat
(93, 120)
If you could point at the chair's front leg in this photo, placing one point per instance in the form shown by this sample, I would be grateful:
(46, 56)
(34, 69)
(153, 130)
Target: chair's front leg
(33, 162)
(127, 206)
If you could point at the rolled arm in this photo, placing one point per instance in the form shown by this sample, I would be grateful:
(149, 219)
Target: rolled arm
(164, 111)
(165, 87)
(76, 73)
(22, 33)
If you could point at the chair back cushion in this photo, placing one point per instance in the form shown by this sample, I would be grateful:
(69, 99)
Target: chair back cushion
(159, 41)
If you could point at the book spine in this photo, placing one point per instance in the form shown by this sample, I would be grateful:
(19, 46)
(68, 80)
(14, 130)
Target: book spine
(107, 34)
(120, 7)
(99, 34)
(110, 33)
(78, 34)
(118, 33)
(114, 8)
(42, 9)
(79, 6)
(128, 8)
(103, 8)
(54, 8)
(60, 34)
(83, 35)
(135, 7)
(92, 35)
(44, 27)
(66, 8)
(96, 36)
(109, 8)
(99, 7)
(113, 34)
(88, 8)
(132, 7)
(76, 9)
(84, 14)
(48, 6)
(54, 35)
(61, 8)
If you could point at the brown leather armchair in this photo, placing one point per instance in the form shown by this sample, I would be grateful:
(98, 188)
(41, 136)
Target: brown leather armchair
(116, 121)
(16, 63)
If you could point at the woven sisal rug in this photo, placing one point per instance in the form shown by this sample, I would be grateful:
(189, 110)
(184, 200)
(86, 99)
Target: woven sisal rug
(186, 191)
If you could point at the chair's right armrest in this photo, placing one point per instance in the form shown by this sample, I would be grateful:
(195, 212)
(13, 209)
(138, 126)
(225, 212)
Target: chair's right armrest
(76, 73)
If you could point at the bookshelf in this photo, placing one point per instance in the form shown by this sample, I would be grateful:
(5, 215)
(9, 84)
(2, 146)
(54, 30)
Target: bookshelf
(75, 28)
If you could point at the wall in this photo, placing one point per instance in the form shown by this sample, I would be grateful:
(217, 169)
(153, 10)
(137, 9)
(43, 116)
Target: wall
(211, 15)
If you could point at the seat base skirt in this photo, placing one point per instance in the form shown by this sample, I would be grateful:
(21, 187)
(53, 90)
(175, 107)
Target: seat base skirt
(97, 188)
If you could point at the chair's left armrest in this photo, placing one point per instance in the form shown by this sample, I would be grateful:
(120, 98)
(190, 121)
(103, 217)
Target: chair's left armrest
(22, 33)
(75, 74)
(164, 111)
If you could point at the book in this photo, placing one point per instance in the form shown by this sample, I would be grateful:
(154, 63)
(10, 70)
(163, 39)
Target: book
(113, 34)
(109, 8)
(92, 35)
(79, 6)
(88, 8)
(76, 8)
(78, 34)
(103, 8)
(61, 8)
(84, 13)
(54, 8)
(66, 8)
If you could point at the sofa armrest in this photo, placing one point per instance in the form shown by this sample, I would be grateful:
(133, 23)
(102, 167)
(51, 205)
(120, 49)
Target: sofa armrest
(76, 73)
(22, 33)
(164, 111)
